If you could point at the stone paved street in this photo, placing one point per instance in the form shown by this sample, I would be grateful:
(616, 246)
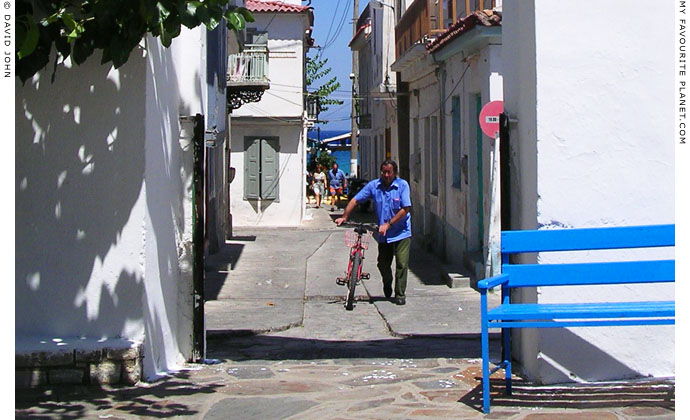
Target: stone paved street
(281, 346)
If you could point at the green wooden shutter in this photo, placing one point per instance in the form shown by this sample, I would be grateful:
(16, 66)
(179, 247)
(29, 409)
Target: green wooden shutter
(251, 168)
(269, 168)
(457, 146)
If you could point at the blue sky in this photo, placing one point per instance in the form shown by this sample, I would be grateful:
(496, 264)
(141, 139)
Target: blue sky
(333, 31)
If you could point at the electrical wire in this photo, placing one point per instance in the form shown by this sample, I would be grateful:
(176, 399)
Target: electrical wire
(341, 24)
(330, 27)
(467, 66)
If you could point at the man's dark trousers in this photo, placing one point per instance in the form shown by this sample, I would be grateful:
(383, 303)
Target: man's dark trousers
(401, 251)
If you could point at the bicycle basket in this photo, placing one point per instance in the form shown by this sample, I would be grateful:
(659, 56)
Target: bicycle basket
(351, 239)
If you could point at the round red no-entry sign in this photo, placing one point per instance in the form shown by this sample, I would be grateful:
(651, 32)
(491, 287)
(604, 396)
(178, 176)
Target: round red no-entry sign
(489, 117)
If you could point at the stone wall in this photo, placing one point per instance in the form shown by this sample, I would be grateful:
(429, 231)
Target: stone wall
(108, 365)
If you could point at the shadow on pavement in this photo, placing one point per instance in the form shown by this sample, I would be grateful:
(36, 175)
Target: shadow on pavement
(65, 402)
(645, 393)
(273, 347)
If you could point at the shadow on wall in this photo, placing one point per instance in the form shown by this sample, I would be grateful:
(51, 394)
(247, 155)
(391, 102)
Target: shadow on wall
(79, 172)
(566, 357)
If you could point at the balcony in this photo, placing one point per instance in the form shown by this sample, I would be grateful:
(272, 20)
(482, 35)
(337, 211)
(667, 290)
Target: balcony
(247, 77)
(424, 20)
(313, 107)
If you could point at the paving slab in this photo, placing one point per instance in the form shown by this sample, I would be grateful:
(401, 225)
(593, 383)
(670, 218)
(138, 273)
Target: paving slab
(252, 316)
(388, 388)
(329, 320)
(258, 408)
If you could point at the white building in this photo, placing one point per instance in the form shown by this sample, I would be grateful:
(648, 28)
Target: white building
(449, 70)
(374, 41)
(269, 136)
(104, 186)
(591, 144)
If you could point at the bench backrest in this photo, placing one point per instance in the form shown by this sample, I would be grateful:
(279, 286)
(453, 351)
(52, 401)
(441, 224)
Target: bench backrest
(530, 275)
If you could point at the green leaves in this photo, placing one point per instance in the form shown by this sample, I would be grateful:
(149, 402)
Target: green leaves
(315, 70)
(79, 28)
(27, 35)
(237, 18)
(74, 29)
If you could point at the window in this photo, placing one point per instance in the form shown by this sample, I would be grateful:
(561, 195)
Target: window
(433, 162)
(416, 151)
(426, 165)
(257, 37)
(261, 165)
(457, 145)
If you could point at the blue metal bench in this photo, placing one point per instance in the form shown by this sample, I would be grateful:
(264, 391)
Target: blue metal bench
(534, 315)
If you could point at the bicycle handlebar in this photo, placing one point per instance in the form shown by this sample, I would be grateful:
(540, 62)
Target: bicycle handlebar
(361, 227)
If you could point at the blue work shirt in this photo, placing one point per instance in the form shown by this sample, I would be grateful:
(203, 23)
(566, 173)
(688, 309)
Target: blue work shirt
(337, 180)
(388, 202)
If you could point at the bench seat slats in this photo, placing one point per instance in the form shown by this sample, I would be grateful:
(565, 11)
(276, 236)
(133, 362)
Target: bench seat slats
(533, 311)
(510, 316)
(589, 238)
(530, 275)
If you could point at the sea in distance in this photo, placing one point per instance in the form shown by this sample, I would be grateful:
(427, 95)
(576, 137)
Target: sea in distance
(342, 157)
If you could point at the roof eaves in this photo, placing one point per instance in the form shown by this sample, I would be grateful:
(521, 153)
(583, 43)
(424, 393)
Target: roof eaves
(464, 25)
(360, 30)
(258, 6)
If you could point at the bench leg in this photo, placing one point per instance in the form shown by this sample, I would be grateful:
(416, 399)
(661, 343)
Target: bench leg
(506, 338)
(486, 398)
(507, 360)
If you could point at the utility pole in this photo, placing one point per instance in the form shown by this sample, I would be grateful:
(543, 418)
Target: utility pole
(355, 78)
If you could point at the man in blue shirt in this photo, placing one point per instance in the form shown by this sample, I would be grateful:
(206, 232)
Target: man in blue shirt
(336, 184)
(392, 198)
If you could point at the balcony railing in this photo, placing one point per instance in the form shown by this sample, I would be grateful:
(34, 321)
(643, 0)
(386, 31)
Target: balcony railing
(313, 105)
(251, 65)
(247, 77)
(429, 18)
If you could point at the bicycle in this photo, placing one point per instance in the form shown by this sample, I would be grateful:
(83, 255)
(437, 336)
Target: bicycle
(358, 241)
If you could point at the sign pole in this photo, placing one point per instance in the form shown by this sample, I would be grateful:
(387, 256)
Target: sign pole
(495, 211)
(489, 119)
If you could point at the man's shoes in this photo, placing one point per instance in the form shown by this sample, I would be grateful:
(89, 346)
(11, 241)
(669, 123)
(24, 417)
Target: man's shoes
(399, 300)
(387, 291)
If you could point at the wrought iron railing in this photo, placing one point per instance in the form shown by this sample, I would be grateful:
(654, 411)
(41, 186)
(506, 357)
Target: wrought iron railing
(247, 77)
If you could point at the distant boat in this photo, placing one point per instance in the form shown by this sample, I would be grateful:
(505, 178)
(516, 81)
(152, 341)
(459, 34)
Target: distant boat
(338, 145)
(334, 138)
(339, 138)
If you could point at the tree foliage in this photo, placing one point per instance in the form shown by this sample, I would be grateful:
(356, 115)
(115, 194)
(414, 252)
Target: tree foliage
(320, 155)
(316, 70)
(77, 28)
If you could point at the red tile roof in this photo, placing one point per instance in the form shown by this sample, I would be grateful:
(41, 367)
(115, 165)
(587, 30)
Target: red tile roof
(479, 17)
(274, 6)
(359, 31)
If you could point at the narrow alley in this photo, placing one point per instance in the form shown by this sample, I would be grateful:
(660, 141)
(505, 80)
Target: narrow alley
(269, 280)
(280, 345)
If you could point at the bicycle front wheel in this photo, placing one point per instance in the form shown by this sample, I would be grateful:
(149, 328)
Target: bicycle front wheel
(352, 281)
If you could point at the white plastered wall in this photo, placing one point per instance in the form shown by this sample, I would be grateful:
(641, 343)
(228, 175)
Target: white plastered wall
(484, 77)
(285, 66)
(279, 113)
(424, 104)
(287, 210)
(103, 202)
(593, 147)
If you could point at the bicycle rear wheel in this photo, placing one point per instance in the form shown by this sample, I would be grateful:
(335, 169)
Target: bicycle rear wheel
(352, 282)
